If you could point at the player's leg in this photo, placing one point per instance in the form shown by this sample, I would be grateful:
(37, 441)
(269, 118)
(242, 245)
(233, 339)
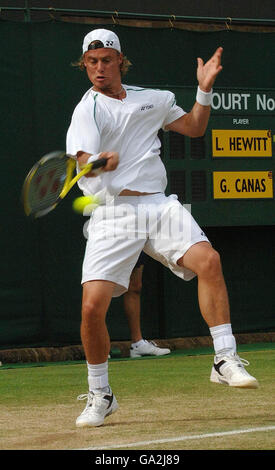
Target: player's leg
(101, 402)
(187, 252)
(96, 299)
(203, 260)
(131, 304)
(228, 368)
(140, 346)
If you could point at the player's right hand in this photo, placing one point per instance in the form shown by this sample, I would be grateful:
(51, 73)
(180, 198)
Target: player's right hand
(112, 160)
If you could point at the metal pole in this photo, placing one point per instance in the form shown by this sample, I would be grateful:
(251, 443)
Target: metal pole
(128, 15)
(27, 12)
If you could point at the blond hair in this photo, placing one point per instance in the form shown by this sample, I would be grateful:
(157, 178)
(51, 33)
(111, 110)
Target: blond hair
(124, 66)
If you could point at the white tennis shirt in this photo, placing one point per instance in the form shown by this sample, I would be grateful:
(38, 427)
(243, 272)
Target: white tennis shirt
(129, 127)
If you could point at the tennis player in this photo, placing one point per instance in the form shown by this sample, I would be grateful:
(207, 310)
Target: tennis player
(121, 122)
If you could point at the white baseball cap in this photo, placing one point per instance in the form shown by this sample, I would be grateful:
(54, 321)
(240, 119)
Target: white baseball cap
(106, 37)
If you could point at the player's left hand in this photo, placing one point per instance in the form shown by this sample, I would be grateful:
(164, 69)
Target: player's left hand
(207, 72)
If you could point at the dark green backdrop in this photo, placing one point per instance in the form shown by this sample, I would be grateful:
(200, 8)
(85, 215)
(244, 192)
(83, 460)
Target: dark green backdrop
(40, 292)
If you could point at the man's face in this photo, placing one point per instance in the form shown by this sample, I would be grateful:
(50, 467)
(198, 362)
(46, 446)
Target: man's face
(103, 67)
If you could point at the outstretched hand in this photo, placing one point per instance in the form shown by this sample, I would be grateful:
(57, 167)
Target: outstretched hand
(207, 72)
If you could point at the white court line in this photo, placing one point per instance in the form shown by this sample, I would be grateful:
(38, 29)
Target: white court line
(183, 438)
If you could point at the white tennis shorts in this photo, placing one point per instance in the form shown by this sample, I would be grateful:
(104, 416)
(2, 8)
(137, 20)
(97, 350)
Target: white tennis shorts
(118, 232)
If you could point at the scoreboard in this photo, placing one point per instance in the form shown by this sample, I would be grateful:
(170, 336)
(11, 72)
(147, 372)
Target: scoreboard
(227, 176)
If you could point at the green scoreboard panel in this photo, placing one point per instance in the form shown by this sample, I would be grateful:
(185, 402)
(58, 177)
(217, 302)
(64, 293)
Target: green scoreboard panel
(228, 174)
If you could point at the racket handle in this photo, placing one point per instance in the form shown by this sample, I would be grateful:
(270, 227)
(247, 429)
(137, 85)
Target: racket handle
(99, 163)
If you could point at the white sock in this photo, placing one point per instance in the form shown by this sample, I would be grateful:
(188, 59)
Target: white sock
(223, 339)
(98, 377)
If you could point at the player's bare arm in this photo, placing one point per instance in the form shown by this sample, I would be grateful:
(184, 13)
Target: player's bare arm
(194, 123)
(112, 161)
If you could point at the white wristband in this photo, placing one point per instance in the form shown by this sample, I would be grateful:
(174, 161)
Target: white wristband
(204, 98)
(93, 158)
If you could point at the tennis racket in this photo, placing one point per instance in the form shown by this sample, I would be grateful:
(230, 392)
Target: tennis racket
(50, 180)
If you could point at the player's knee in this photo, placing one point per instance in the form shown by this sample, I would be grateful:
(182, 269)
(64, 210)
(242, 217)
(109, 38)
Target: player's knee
(92, 311)
(210, 265)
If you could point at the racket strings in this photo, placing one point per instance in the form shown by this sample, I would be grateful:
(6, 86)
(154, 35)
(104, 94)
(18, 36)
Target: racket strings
(46, 184)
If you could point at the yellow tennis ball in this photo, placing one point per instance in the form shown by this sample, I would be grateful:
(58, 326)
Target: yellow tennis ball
(85, 204)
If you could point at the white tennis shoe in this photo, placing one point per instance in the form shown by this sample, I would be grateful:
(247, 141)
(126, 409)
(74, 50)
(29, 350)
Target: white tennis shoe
(229, 370)
(99, 406)
(148, 348)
